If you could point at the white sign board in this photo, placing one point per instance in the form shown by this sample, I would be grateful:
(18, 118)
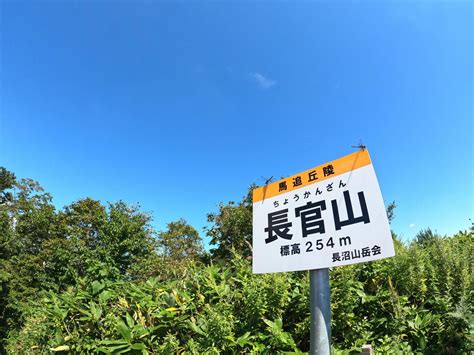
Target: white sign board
(327, 216)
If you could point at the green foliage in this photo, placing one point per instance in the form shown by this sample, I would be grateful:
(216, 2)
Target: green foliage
(7, 181)
(181, 241)
(26, 217)
(97, 279)
(225, 308)
(45, 249)
(391, 211)
(426, 236)
(418, 298)
(177, 248)
(119, 234)
(231, 228)
(199, 314)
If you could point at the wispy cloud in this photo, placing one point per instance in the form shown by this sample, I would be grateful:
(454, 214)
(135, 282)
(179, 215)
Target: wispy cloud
(263, 82)
(412, 225)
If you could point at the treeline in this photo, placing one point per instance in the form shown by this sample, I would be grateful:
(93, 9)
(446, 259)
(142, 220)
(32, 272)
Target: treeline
(90, 278)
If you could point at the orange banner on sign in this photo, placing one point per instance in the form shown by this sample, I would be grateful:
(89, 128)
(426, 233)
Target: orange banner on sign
(309, 177)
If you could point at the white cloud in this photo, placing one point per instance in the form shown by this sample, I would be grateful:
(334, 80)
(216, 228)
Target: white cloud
(263, 82)
(412, 225)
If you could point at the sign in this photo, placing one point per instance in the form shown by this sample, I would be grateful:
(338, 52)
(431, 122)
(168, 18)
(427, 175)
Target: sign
(327, 216)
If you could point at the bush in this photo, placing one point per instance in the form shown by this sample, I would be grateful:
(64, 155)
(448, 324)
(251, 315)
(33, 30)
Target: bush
(418, 301)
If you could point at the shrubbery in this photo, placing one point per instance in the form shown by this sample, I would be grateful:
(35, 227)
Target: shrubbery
(91, 279)
(405, 303)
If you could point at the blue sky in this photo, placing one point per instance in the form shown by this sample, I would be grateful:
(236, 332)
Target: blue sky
(181, 105)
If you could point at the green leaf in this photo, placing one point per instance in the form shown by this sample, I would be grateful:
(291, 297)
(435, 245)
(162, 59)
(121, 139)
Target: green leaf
(130, 321)
(116, 349)
(242, 340)
(138, 346)
(103, 350)
(96, 311)
(105, 296)
(114, 342)
(61, 348)
(196, 328)
(97, 287)
(124, 331)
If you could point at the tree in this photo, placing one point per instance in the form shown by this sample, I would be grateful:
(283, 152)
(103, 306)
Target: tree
(391, 211)
(177, 248)
(26, 217)
(232, 228)
(181, 241)
(117, 235)
(45, 249)
(426, 236)
(7, 181)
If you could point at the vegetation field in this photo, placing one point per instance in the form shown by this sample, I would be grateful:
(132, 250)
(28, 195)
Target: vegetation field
(94, 278)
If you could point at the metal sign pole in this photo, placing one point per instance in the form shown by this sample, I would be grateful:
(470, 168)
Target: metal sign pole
(320, 330)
